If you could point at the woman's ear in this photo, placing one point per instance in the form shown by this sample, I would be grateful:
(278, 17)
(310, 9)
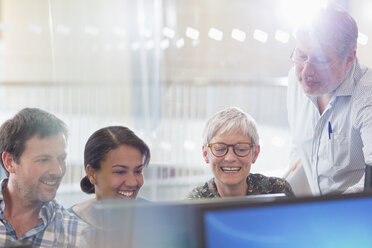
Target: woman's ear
(91, 173)
(8, 161)
(255, 153)
(205, 154)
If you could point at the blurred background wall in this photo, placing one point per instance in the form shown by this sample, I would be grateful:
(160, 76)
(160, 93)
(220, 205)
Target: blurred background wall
(160, 67)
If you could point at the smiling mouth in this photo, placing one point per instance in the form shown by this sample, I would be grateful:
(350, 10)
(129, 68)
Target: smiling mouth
(126, 194)
(230, 169)
(308, 80)
(50, 182)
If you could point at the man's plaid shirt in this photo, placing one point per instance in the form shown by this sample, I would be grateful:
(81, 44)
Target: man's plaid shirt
(58, 228)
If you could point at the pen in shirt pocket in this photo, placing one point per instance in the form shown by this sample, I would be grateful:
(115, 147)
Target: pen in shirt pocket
(329, 130)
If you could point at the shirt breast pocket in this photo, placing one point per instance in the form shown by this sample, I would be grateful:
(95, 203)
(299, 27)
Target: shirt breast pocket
(339, 150)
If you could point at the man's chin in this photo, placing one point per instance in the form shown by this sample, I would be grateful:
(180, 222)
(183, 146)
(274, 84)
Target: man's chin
(310, 91)
(47, 197)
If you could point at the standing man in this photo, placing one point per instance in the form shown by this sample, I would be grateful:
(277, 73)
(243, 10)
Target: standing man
(33, 152)
(330, 104)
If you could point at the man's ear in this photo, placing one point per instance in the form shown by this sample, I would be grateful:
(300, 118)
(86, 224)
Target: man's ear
(205, 154)
(255, 153)
(8, 161)
(350, 59)
(91, 173)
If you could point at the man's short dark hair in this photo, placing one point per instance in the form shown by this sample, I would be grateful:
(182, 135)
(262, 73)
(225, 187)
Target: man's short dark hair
(27, 123)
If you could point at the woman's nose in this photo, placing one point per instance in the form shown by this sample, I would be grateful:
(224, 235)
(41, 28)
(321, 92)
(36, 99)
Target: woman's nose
(230, 155)
(131, 181)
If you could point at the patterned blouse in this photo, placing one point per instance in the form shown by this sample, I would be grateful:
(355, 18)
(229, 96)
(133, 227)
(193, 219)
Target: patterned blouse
(257, 184)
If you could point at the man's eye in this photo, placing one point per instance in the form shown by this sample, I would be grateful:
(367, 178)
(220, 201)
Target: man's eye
(320, 62)
(119, 172)
(138, 172)
(62, 159)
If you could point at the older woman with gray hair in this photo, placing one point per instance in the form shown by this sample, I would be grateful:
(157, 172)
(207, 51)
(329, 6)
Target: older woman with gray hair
(231, 146)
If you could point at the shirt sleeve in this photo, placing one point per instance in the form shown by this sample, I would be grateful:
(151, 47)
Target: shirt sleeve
(358, 187)
(366, 132)
(364, 125)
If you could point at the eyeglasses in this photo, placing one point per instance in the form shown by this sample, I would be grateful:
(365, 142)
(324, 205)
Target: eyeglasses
(221, 149)
(318, 63)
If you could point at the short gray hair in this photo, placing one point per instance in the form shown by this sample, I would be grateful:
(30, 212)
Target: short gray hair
(231, 119)
(331, 27)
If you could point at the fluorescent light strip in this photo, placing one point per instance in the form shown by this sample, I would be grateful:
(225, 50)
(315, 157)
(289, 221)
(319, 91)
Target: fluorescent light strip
(238, 35)
(33, 28)
(168, 32)
(282, 36)
(215, 34)
(180, 43)
(91, 30)
(260, 35)
(63, 29)
(164, 44)
(192, 33)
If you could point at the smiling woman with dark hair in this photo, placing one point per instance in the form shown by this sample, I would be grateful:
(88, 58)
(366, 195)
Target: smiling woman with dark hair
(114, 159)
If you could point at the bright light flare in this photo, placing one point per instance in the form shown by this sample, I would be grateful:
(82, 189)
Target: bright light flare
(299, 12)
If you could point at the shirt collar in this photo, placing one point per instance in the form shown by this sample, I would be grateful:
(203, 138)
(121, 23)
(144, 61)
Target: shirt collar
(48, 211)
(346, 88)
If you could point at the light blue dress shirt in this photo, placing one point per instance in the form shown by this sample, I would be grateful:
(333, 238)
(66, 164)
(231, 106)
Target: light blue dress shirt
(335, 146)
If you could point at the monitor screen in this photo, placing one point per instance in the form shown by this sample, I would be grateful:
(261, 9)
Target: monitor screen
(342, 221)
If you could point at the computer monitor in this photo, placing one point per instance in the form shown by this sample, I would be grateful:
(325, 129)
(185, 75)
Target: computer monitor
(132, 224)
(326, 221)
